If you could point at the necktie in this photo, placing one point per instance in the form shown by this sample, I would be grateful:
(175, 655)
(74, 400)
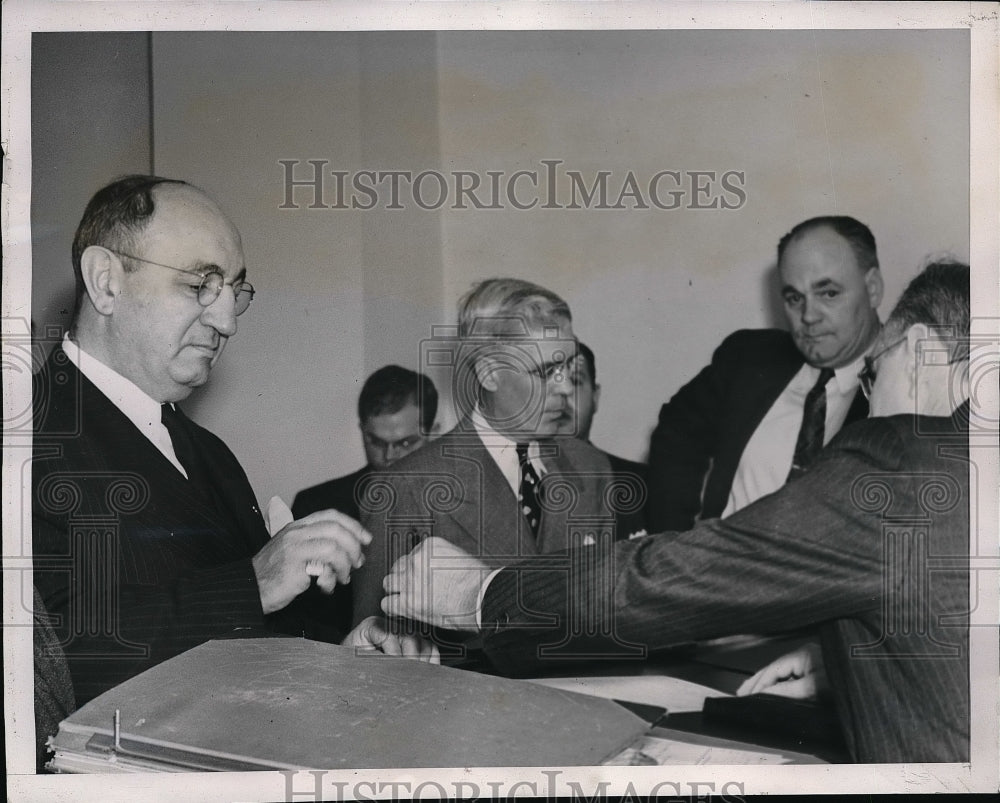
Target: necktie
(185, 449)
(811, 434)
(529, 491)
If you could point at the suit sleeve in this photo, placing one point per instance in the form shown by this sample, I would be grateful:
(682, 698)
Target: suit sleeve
(683, 446)
(804, 555)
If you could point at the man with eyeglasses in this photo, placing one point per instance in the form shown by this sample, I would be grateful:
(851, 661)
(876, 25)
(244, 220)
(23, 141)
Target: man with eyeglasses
(760, 412)
(510, 479)
(871, 545)
(147, 538)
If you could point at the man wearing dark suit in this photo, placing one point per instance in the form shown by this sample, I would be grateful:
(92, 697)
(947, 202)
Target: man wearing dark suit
(584, 402)
(146, 535)
(396, 412)
(509, 479)
(871, 544)
(732, 434)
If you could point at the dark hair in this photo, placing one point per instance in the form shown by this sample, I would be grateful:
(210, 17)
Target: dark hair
(113, 217)
(857, 234)
(938, 297)
(588, 355)
(391, 388)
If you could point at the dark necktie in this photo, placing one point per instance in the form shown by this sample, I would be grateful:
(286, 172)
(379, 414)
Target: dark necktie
(810, 440)
(529, 492)
(185, 449)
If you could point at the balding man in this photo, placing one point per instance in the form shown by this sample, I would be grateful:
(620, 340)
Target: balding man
(147, 538)
(770, 399)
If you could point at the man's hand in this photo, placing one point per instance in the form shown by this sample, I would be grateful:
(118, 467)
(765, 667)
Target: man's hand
(328, 540)
(796, 674)
(373, 635)
(437, 583)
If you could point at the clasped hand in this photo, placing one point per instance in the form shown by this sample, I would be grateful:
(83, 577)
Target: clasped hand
(327, 545)
(374, 635)
(797, 674)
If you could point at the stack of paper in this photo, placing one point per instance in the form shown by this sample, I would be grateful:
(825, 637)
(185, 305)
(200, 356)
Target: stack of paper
(280, 703)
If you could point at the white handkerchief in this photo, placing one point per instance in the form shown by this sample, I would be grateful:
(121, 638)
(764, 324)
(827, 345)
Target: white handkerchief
(277, 516)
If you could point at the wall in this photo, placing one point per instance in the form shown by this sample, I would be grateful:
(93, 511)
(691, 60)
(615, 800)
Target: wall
(868, 123)
(90, 123)
(341, 291)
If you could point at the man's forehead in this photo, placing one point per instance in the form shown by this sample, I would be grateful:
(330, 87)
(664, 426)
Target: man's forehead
(403, 422)
(187, 225)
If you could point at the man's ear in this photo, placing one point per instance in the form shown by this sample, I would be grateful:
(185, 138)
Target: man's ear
(102, 276)
(486, 370)
(917, 341)
(596, 396)
(874, 286)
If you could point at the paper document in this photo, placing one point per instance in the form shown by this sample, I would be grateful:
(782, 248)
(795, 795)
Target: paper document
(673, 694)
(655, 750)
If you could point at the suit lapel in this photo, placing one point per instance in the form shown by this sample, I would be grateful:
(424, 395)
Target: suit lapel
(131, 449)
(491, 514)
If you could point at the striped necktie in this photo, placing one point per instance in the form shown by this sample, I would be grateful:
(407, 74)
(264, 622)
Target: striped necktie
(529, 491)
(812, 431)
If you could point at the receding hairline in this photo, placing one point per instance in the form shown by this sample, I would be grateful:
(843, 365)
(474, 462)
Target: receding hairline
(826, 227)
(166, 195)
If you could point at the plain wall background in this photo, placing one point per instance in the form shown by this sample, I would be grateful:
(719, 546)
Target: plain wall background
(872, 124)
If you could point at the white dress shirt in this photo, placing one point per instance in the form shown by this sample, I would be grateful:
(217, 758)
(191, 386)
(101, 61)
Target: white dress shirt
(767, 458)
(504, 452)
(140, 408)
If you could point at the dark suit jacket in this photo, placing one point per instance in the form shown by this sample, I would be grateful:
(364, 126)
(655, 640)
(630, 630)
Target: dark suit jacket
(133, 564)
(340, 494)
(702, 431)
(452, 488)
(871, 544)
(632, 476)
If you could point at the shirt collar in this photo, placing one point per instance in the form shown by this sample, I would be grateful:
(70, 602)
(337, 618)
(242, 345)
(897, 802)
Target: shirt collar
(846, 376)
(140, 408)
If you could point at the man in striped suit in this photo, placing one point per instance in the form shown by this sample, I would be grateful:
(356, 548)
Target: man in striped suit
(146, 535)
(871, 545)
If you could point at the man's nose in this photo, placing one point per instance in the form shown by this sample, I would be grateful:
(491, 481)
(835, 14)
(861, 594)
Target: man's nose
(559, 383)
(811, 311)
(221, 313)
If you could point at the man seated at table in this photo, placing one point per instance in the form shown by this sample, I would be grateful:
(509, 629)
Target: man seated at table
(510, 479)
(871, 544)
(146, 536)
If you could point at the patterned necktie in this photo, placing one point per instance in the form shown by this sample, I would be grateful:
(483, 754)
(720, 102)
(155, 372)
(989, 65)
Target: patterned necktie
(529, 491)
(185, 449)
(811, 434)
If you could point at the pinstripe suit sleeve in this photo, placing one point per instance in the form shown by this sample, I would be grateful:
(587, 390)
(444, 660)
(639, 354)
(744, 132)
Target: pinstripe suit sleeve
(800, 556)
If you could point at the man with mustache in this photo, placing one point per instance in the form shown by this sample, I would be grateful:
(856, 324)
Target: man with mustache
(761, 411)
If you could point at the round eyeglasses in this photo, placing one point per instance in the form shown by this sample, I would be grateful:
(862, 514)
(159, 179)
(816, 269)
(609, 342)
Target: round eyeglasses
(210, 284)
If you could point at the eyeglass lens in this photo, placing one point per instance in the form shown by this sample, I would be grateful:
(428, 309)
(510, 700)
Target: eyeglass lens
(211, 287)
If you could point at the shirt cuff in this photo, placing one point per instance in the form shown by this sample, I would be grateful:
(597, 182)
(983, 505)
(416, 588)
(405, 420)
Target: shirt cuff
(482, 596)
